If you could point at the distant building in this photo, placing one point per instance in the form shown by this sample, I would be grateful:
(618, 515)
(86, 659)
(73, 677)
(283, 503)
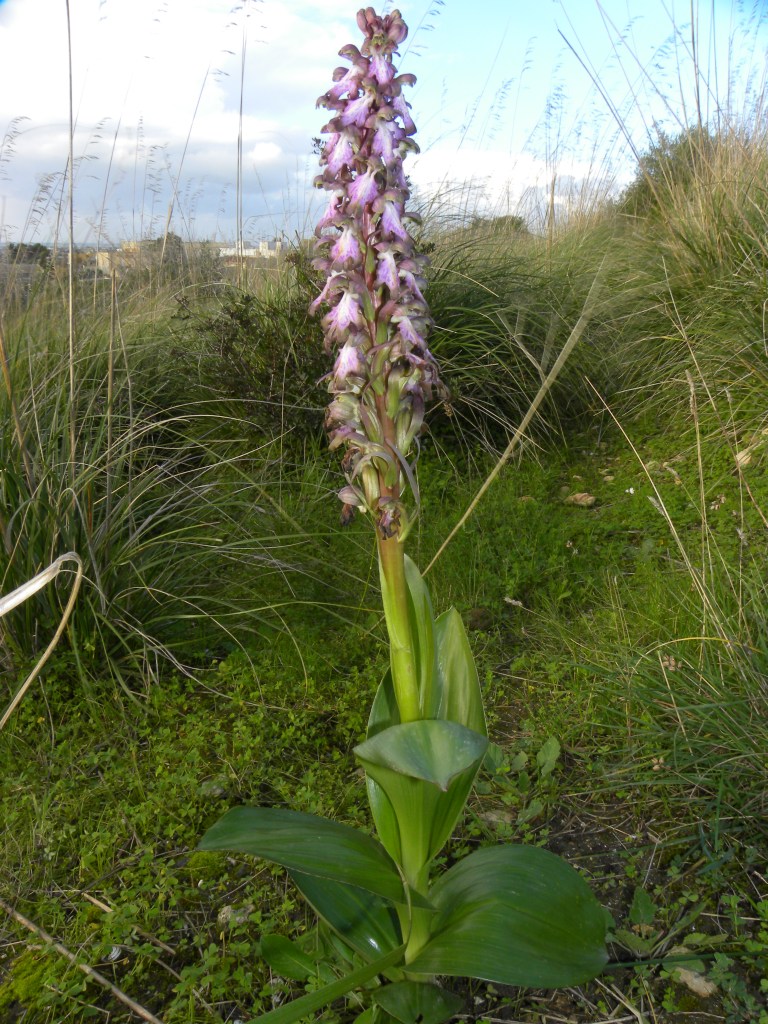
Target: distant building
(264, 249)
(118, 260)
(142, 254)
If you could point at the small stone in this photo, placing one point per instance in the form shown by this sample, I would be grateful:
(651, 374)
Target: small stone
(697, 983)
(230, 917)
(581, 499)
(498, 817)
(213, 787)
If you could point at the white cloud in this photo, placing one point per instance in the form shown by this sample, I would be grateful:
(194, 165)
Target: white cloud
(157, 93)
(490, 182)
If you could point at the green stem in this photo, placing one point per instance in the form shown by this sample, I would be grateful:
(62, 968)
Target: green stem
(419, 920)
(402, 656)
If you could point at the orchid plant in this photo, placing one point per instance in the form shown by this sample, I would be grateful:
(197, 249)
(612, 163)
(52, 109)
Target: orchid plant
(509, 914)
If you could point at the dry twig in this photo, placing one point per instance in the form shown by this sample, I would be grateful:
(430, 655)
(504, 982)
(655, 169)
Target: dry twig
(133, 1006)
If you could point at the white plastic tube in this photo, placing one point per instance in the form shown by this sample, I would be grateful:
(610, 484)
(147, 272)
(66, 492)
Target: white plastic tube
(27, 590)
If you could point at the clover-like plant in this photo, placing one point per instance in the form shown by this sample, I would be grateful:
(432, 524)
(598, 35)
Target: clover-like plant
(514, 915)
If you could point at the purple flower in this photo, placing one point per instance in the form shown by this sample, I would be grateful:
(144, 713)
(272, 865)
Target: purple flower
(339, 151)
(386, 268)
(331, 285)
(401, 80)
(402, 108)
(386, 136)
(377, 318)
(346, 247)
(412, 284)
(356, 111)
(332, 214)
(346, 80)
(353, 496)
(364, 189)
(390, 26)
(344, 314)
(349, 371)
(391, 224)
(381, 69)
(408, 330)
(389, 519)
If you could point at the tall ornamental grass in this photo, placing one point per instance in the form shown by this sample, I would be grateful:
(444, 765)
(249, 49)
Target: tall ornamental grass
(168, 509)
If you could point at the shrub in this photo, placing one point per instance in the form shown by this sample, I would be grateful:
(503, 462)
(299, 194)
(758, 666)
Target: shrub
(264, 352)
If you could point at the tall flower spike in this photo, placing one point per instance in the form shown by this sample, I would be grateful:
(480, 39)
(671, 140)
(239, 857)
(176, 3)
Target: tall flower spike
(377, 319)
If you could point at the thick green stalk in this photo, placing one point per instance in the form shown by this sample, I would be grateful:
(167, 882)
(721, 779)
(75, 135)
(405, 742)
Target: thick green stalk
(402, 654)
(419, 922)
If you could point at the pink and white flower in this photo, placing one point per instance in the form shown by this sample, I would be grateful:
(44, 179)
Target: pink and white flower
(346, 247)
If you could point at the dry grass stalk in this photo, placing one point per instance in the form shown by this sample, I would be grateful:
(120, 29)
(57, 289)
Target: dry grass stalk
(133, 1006)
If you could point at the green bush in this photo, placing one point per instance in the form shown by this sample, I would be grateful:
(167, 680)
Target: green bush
(266, 353)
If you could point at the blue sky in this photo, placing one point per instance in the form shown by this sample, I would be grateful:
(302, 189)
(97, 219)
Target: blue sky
(503, 101)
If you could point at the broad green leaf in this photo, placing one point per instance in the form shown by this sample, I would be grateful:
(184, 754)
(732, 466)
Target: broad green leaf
(515, 915)
(642, 911)
(286, 958)
(424, 771)
(676, 965)
(307, 843)
(336, 946)
(433, 750)
(459, 697)
(417, 629)
(416, 1002)
(547, 757)
(422, 620)
(635, 943)
(384, 711)
(494, 758)
(702, 941)
(366, 1017)
(384, 714)
(364, 921)
(534, 808)
(454, 696)
(291, 1012)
